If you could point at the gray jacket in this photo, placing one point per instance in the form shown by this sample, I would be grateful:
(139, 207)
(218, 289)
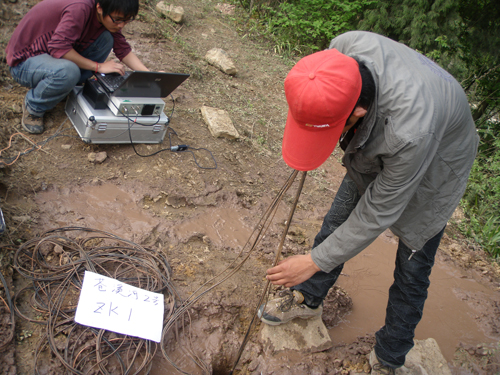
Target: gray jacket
(412, 154)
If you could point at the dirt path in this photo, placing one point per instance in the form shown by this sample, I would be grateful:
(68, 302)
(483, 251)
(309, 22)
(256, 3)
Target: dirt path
(201, 218)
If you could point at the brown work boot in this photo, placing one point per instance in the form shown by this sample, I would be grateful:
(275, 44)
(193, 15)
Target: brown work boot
(377, 367)
(31, 123)
(288, 306)
(380, 369)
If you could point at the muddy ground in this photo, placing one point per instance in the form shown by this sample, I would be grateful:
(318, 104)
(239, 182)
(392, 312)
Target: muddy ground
(198, 217)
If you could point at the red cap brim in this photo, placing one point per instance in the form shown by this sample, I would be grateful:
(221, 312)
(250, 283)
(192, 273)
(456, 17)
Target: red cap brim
(305, 148)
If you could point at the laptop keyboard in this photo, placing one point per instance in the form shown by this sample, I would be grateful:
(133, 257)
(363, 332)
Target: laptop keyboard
(113, 80)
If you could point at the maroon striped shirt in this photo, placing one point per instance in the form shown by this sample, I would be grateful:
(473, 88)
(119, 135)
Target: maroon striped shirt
(57, 26)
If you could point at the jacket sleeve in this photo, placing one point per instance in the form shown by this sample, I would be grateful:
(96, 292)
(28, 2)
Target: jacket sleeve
(380, 206)
(69, 29)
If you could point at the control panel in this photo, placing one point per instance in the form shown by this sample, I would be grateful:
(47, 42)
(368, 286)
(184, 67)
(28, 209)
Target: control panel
(123, 106)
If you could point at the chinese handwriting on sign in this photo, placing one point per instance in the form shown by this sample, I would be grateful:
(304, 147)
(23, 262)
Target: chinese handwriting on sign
(115, 306)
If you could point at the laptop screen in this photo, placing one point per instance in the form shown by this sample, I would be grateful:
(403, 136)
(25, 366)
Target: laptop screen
(145, 84)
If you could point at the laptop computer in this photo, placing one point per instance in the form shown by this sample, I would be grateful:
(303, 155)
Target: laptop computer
(141, 84)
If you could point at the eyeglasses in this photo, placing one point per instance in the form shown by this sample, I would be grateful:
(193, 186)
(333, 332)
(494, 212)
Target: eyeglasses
(125, 21)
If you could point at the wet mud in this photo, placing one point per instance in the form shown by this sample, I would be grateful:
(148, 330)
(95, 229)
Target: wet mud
(204, 243)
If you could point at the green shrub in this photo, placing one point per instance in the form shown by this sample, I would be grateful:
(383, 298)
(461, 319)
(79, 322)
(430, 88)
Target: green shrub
(481, 201)
(313, 23)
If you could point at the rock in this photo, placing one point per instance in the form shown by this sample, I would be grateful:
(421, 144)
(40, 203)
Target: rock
(225, 8)
(16, 108)
(425, 358)
(21, 218)
(65, 147)
(45, 249)
(176, 201)
(100, 157)
(97, 157)
(304, 335)
(175, 13)
(5, 12)
(220, 59)
(219, 123)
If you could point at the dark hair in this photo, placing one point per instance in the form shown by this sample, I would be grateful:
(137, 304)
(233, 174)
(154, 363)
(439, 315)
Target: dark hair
(129, 8)
(368, 89)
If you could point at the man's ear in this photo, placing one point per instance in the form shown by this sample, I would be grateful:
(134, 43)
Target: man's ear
(359, 111)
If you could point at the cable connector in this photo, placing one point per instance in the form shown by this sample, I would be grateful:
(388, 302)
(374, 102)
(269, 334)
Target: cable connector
(179, 148)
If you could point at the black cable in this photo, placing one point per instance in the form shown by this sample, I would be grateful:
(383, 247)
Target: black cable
(177, 148)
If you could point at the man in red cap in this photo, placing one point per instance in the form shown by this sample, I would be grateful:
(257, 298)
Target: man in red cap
(409, 143)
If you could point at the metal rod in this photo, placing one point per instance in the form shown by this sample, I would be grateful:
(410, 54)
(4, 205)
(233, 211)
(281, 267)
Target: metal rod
(278, 254)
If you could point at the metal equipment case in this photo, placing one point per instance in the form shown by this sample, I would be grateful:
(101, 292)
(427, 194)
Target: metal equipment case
(102, 126)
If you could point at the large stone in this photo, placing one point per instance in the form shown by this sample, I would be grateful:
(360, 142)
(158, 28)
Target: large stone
(220, 59)
(304, 335)
(219, 123)
(97, 157)
(425, 358)
(175, 13)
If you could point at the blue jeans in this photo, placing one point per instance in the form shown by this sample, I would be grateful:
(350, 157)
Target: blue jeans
(50, 80)
(407, 294)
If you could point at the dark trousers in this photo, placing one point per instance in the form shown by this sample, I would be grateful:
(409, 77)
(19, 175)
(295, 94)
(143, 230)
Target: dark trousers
(407, 294)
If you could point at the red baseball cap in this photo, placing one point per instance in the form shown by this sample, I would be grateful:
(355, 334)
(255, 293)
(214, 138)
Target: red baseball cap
(321, 90)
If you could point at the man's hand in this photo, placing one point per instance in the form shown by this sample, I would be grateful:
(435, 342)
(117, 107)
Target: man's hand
(292, 271)
(84, 63)
(111, 67)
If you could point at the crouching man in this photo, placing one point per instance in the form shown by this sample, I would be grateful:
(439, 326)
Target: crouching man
(60, 43)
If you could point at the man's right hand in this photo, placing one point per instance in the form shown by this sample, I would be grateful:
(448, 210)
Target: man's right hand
(111, 67)
(84, 63)
(292, 271)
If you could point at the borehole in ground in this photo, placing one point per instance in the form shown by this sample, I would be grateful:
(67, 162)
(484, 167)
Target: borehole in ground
(222, 365)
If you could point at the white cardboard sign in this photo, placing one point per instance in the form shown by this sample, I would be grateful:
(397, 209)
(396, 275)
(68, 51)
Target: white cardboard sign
(118, 307)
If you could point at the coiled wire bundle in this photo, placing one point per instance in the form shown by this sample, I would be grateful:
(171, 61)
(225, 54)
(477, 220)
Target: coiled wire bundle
(55, 264)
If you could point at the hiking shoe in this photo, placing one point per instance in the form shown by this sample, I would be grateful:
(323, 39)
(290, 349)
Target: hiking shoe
(31, 123)
(377, 367)
(380, 369)
(287, 307)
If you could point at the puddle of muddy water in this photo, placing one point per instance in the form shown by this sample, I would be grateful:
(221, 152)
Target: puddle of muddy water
(447, 317)
(105, 207)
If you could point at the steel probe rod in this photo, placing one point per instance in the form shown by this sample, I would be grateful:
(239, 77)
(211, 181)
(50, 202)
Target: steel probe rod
(276, 259)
